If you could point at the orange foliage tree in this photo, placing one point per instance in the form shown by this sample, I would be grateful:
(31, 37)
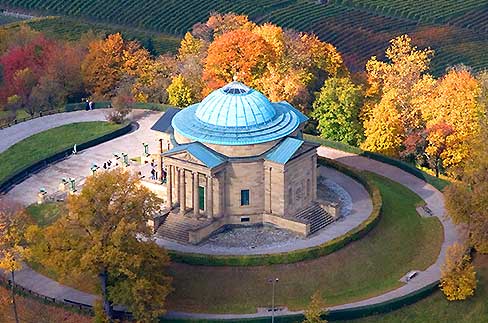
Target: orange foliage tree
(108, 61)
(239, 53)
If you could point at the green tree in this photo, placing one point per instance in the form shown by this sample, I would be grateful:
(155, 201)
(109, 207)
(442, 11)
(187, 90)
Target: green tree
(315, 310)
(179, 92)
(337, 110)
(105, 232)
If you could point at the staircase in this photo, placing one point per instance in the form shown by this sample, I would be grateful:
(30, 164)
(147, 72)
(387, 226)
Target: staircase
(176, 227)
(316, 216)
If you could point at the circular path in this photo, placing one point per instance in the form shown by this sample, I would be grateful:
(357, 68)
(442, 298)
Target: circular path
(362, 207)
(45, 286)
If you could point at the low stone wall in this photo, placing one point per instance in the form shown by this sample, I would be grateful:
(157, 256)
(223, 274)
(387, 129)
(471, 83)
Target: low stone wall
(300, 228)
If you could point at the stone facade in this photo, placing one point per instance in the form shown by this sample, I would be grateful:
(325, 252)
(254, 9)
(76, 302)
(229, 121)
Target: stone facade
(254, 174)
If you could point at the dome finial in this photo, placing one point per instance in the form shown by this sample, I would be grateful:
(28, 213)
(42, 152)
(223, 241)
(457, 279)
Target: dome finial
(235, 78)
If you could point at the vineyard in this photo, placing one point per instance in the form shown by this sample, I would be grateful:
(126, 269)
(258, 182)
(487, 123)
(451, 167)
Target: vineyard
(457, 30)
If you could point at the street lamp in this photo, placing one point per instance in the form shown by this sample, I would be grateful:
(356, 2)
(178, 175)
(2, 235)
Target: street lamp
(273, 282)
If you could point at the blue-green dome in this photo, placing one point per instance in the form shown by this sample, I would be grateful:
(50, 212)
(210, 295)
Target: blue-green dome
(235, 105)
(237, 115)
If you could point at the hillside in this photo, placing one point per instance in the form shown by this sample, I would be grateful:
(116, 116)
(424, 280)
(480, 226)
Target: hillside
(457, 30)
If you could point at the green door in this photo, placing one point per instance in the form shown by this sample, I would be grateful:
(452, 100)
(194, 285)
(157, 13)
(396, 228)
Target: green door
(201, 197)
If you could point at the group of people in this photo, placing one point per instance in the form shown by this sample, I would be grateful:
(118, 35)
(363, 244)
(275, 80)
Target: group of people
(154, 172)
(108, 164)
(88, 105)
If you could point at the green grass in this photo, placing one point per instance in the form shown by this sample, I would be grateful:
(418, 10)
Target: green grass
(362, 269)
(47, 143)
(436, 308)
(46, 213)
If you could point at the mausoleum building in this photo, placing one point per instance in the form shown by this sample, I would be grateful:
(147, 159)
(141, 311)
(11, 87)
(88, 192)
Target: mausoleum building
(237, 158)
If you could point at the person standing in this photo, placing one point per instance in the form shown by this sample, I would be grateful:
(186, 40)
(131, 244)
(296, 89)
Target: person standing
(90, 105)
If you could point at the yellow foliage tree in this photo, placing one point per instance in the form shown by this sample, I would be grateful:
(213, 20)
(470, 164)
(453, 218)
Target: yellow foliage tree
(454, 101)
(189, 46)
(315, 309)
(458, 278)
(384, 129)
(13, 224)
(104, 232)
(180, 93)
(405, 68)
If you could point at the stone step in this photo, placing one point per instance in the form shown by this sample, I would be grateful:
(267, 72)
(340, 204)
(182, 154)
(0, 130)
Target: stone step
(316, 216)
(177, 227)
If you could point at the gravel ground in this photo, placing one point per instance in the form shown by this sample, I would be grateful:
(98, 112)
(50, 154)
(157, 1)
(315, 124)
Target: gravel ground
(250, 237)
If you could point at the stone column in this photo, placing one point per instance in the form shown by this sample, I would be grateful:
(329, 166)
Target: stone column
(177, 184)
(169, 187)
(314, 177)
(196, 195)
(222, 193)
(183, 192)
(161, 160)
(209, 191)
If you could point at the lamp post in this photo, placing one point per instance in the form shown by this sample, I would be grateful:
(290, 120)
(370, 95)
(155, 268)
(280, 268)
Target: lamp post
(273, 281)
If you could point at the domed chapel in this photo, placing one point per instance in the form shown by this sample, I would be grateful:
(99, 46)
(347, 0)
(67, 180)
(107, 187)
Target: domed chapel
(238, 159)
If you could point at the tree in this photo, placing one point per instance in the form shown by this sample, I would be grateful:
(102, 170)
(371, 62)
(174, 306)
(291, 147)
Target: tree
(104, 232)
(384, 129)
(438, 136)
(454, 101)
(315, 310)
(13, 224)
(239, 53)
(337, 110)
(224, 23)
(180, 93)
(121, 104)
(466, 200)
(405, 68)
(458, 278)
(108, 61)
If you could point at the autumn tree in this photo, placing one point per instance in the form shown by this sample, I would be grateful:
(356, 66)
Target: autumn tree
(13, 251)
(454, 102)
(458, 278)
(180, 93)
(384, 129)
(108, 61)
(466, 200)
(224, 23)
(395, 83)
(315, 310)
(104, 232)
(337, 110)
(239, 53)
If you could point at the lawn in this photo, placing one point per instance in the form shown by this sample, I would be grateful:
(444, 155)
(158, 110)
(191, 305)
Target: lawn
(362, 269)
(49, 142)
(436, 308)
(31, 310)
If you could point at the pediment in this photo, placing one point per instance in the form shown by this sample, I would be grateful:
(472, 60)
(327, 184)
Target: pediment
(188, 157)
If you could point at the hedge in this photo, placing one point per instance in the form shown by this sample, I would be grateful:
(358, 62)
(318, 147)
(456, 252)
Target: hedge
(438, 183)
(302, 254)
(23, 173)
(343, 314)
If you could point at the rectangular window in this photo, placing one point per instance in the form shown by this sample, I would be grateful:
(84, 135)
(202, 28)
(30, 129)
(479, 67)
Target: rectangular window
(244, 197)
(245, 219)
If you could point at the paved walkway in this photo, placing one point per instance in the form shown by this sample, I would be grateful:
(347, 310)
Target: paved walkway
(16, 133)
(78, 166)
(362, 207)
(434, 199)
